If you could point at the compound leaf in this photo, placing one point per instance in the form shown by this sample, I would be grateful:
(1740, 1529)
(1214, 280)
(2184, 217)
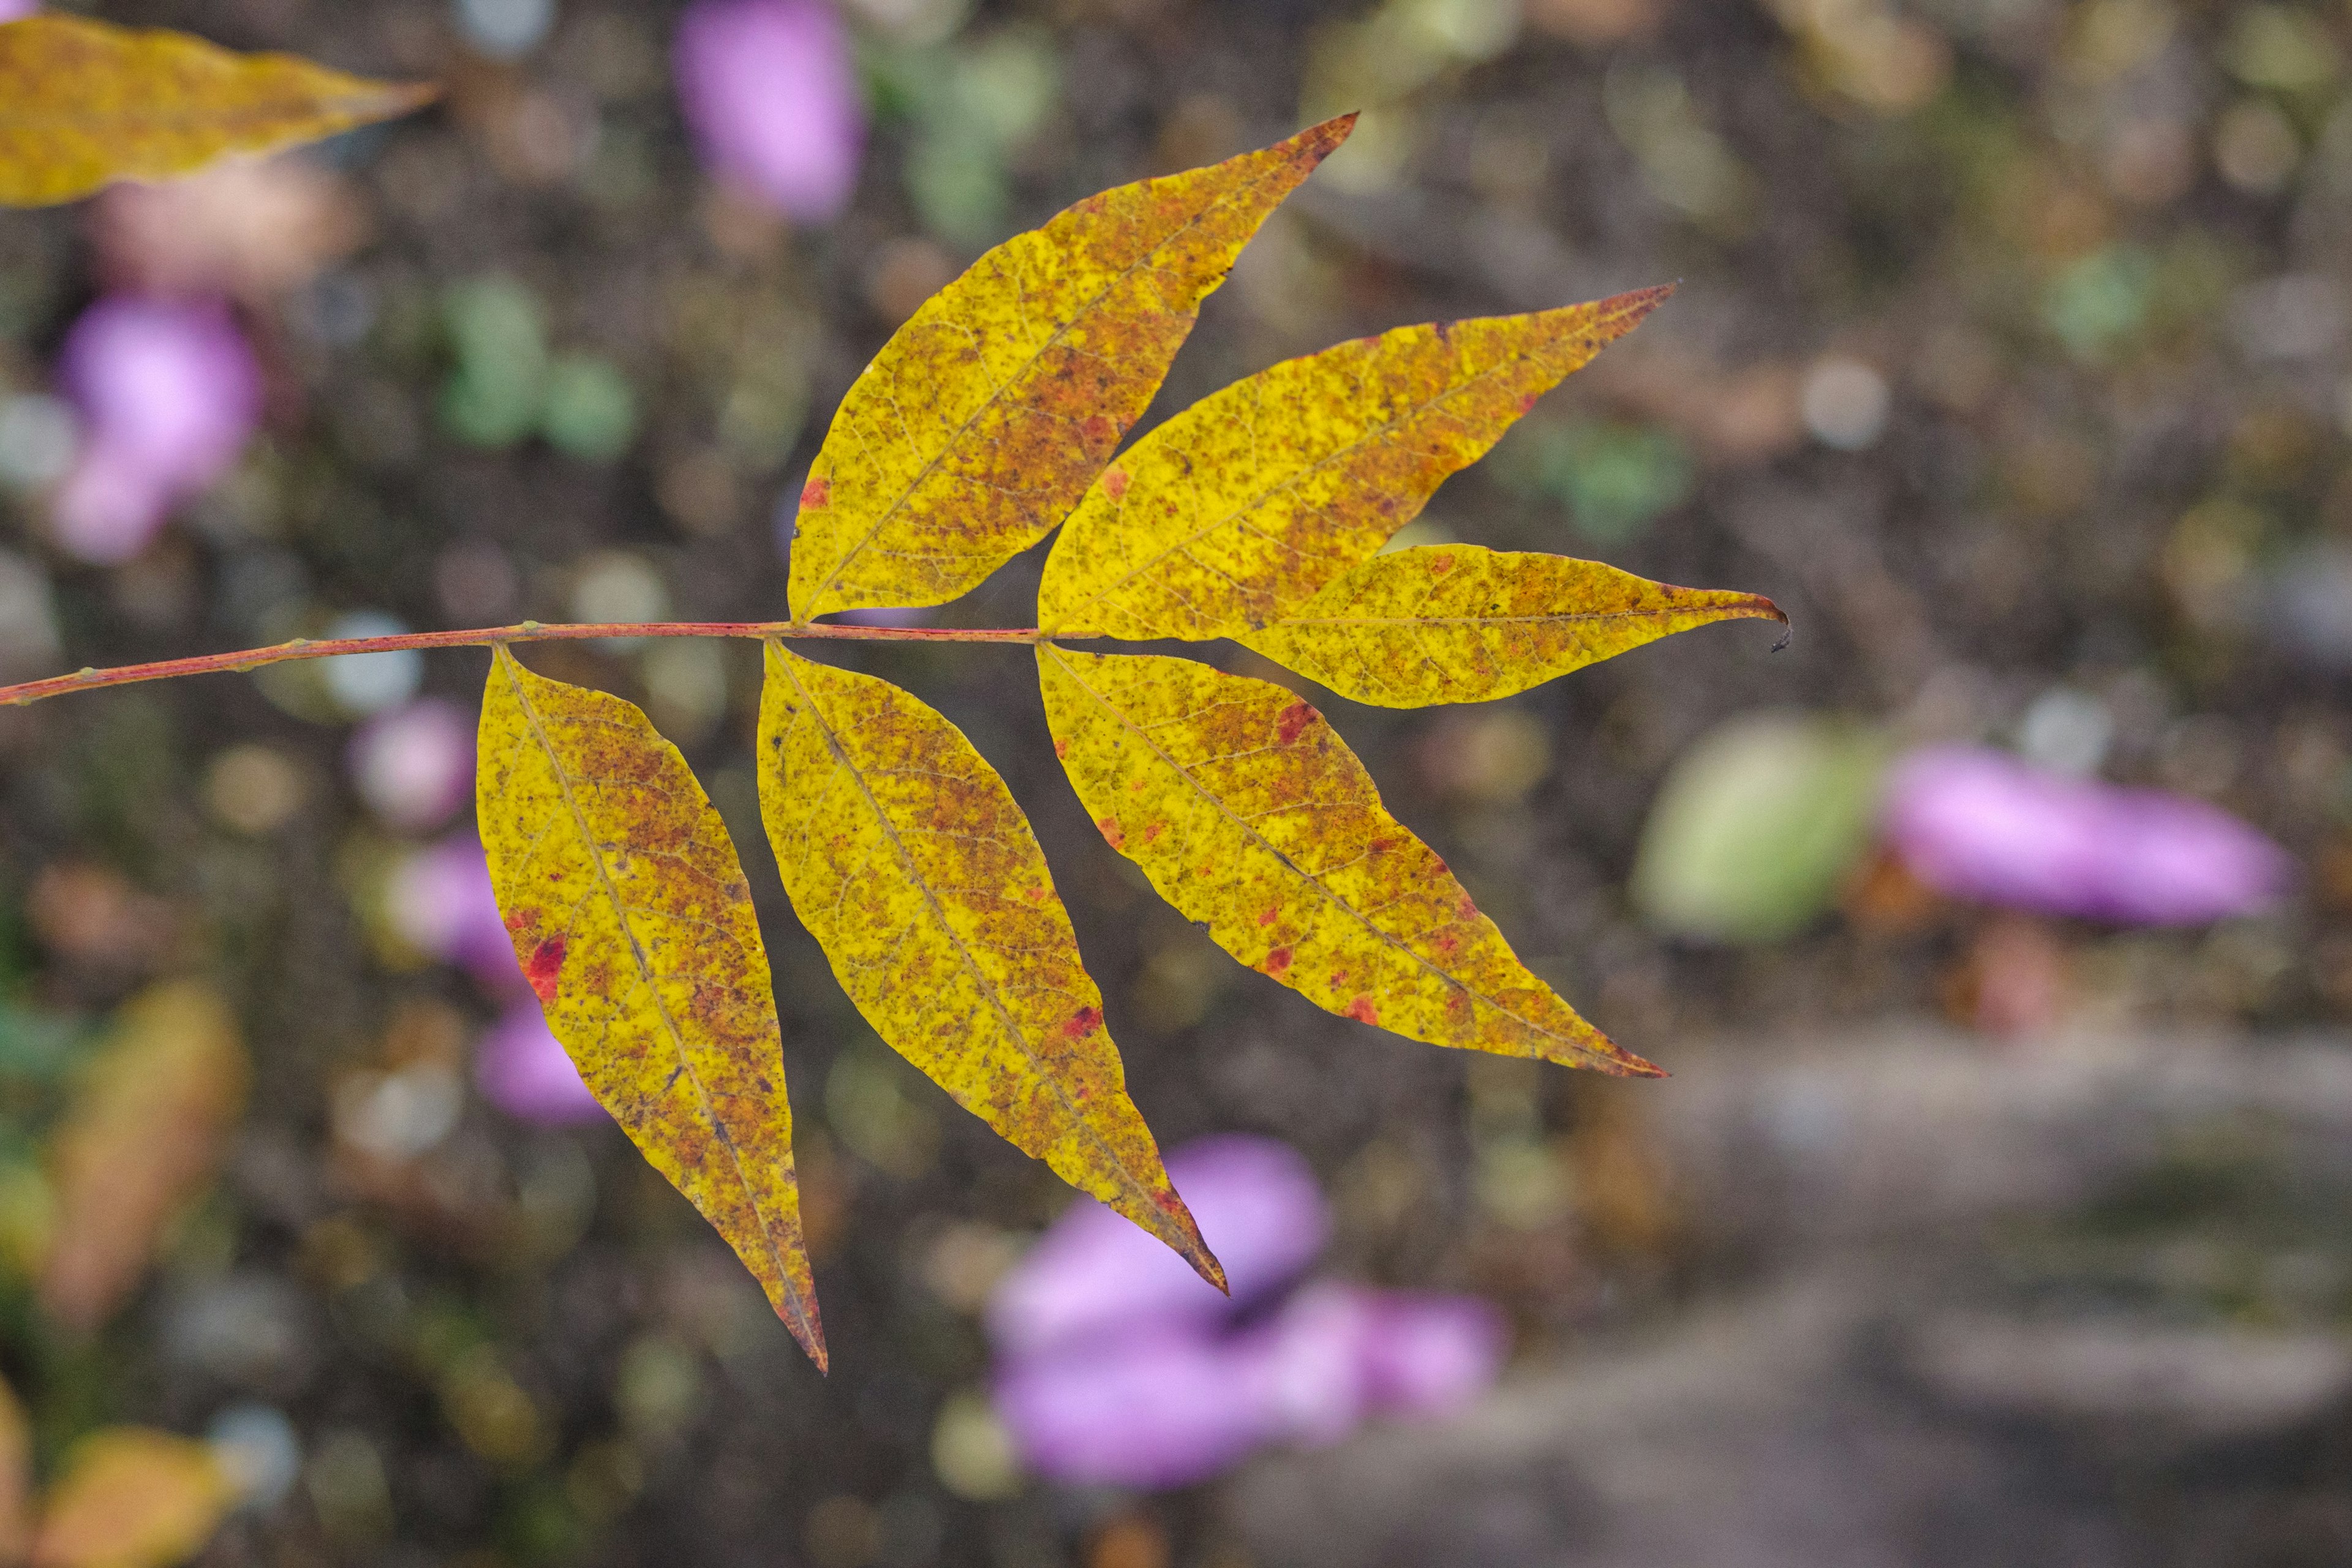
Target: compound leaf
(907, 859)
(1239, 510)
(1454, 623)
(144, 1135)
(633, 922)
(83, 104)
(132, 1498)
(979, 424)
(1249, 813)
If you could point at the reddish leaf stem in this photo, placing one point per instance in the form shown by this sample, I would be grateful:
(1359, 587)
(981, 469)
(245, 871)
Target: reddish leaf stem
(527, 631)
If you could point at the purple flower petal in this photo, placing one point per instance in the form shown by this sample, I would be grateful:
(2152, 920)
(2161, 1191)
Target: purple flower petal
(1981, 825)
(17, 10)
(440, 900)
(1162, 1406)
(169, 394)
(772, 97)
(1338, 1354)
(414, 765)
(1258, 1209)
(524, 1071)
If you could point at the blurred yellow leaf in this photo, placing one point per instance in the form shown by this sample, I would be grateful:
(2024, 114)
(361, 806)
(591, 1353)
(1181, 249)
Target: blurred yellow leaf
(633, 922)
(981, 422)
(1457, 624)
(83, 104)
(1240, 509)
(1249, 813)
(907, 860)
(146, 1129)
(130, 1497)
(15, 1479)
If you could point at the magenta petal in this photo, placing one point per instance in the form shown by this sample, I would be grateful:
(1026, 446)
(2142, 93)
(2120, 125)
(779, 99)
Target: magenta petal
(414, 765)
(1981, 825)
(441, 903)
(1159, 1407)
(1258, 1209)
(772, 97)
(1337, 1355)
(169, 392)
(17, 10)
(524, 1071)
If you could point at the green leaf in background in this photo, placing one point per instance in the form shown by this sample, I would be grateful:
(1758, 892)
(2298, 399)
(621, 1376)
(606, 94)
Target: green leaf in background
(498, 332)
(1614, 479)
(591, 410)
(1757, 825)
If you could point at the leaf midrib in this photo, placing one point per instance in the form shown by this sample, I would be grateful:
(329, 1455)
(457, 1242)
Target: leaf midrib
(900, 502)
(1300, 872)
(1291, 481)
(508, 665)
(988, 988)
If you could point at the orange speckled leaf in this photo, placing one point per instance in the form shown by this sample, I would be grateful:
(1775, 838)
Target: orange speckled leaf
(131, 1498)
(1239, 510)
(632, 921)
(907, 859)
(146, 1130)
(1454, 623)
(978, 425)
(83, 104)
(1250, 814)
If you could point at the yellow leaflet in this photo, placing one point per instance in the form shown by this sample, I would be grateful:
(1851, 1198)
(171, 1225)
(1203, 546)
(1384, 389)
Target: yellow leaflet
(633, 922)
(83, 104)
(1249, 813)
(146, 1130)
(1454, 623)
(907, 859)
(1237, 510)
(131, 1498)
(978, 425)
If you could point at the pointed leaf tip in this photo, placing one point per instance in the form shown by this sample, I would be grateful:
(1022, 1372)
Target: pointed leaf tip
(911, 863)
(631, 914)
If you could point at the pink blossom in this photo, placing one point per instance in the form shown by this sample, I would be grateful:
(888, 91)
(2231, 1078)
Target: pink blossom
(523, 1070)
(772, 95)
(1256, 1202)
(169, 392)
(414, 766)
(17, 10)
(1982, 825)
(441, 903)
(1116, 1369)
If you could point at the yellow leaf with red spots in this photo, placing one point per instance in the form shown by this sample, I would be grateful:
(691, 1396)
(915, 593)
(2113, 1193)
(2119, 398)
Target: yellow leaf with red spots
(981, 423)
(1457, 624)
(1241, 509)
(83, 104)
(632, 921)
(1250, 814)
(907, 860)
(131, 1498)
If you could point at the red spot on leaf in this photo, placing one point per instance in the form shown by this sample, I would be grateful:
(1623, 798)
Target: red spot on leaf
(1361, 1010)
(1112, 832)
(1099, 431)
(541, 967)
(1115, 483)
(817, 493)
(1441, 564)
(1151, 834)
(1083, 1022)
(1062, 750)
(1277, 963)
(1292, 720)
(1267, 919)
(1527, 401)
(1464, 908)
